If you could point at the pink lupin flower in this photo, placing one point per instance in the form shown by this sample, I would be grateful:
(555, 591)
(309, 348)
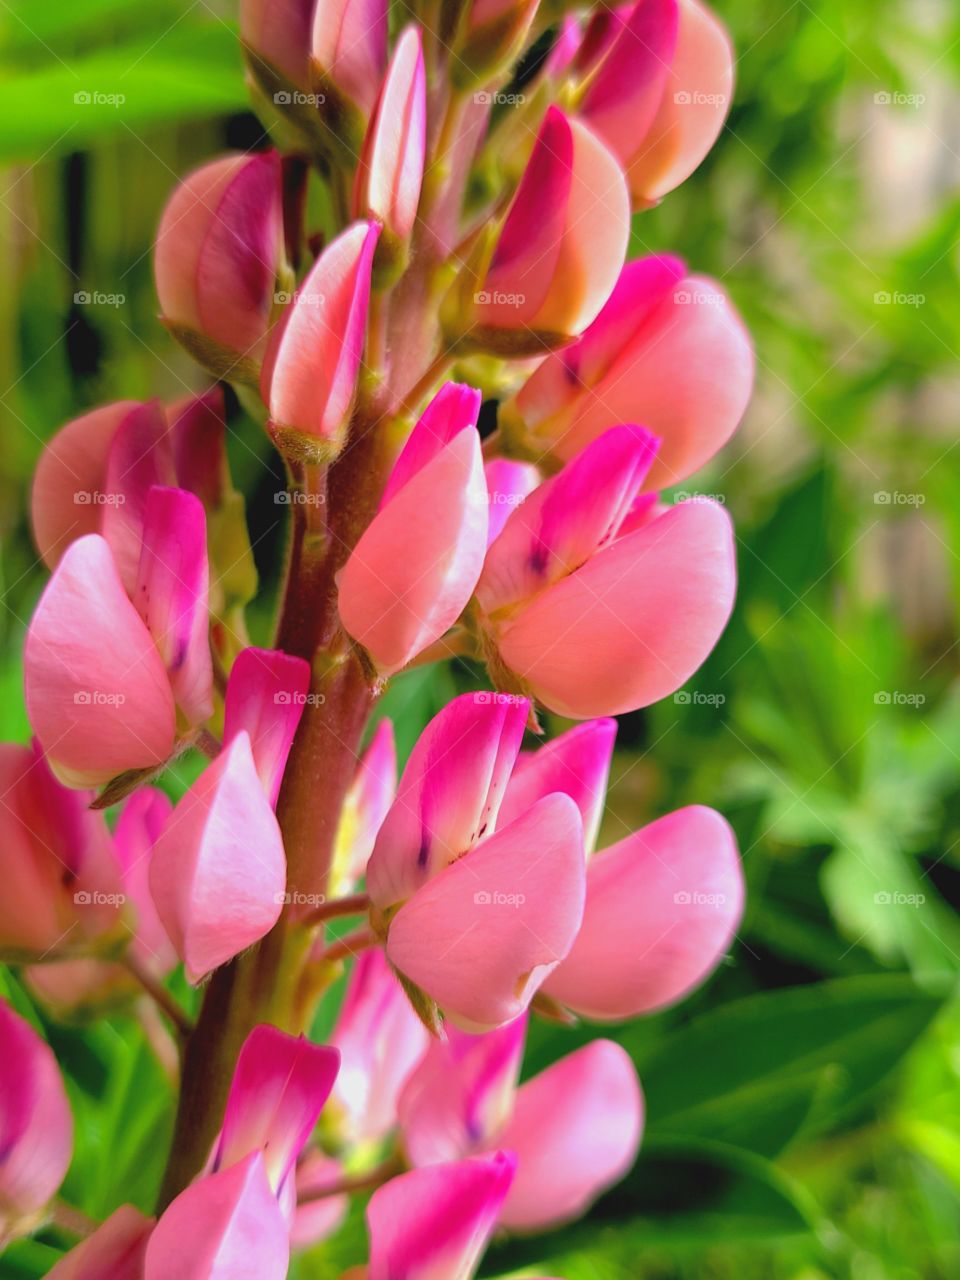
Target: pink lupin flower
(490, 36)
(658, 86)
(316, 1219)
(509, 483)
(266, 694)
(36, 1128)
(218, 871)
(668, 350)
(390, 170)
(350, 48)
(115, 1251)
(309, 374)
(561, 582)
(365, 806)
(276, 36)
(414, 569)
(473, 919)
(435, 1222)
(139, 826)
(380, 1040)
(218, 252)
(560, 249)
(225, 1226)
(662, 907)
(60, 874)
(575, 1128)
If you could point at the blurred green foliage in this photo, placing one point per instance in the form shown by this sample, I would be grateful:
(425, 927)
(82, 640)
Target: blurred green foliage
(803, 1108)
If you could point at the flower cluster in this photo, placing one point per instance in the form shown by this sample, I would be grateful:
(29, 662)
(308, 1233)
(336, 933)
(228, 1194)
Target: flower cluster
(428, 234)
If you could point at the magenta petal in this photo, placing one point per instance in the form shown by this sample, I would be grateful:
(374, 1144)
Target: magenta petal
(449, 795)
(143, 817)
(453, 409)
(226, 1226)
(198, 431)
(97, 692)
(266, 694)
(140, 456)
(366, 805)
(577, 763)
(116, 1250)
(381, 1040)
(279, 1087)
(634, 623)
(433, 1223)
(662, 908)
(36, 1128)
(172, 595)
(575, 1130)
(218, 871)
(482, 936)
(509, 483)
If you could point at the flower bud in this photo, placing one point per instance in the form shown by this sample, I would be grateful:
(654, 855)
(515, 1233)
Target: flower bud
(266, 694)
(349, 57)
(115, 1251)
(365, 806)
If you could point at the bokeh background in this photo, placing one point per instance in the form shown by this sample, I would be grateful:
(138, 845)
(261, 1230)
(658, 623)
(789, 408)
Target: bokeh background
(804, 1108)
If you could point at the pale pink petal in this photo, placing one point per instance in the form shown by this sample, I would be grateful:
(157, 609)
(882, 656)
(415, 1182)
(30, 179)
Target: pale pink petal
(226, 1226)
(482, 936)
(380, 1040)
(279, 1086)
(279, 32)
(414, 569)
(433, 1223)
(36, 1128)
(310, 370)
(317, 1220)
(365, 806)
(575, 1130)
(577, 763)
(143, 817)
(97, 691)
(172, 595)
(116, 1250)
(350, 44)
(449, 795)
(218, 871)
(662, 908)
(266, 694)
(461, 1095)
(140, 456)
(509, 484)
(634, 623)
(452, 410)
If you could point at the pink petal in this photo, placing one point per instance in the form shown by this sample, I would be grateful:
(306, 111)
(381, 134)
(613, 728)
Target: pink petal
(97, 691)
(310, 370)
(433, 1224)
(449, 795)
(414, 569)
(380, 1040)
(279, 31)
(227, 1226)
(218, 870)
(279, 1087)
(198, 432)
(564, 522)
(634, 623)
(317, 1220)
(36, 1128)
(509, 484)
(69, 484)
(452, 410)
(694, 105)
(575, 1131)
(266, 694)
(143, 817)
(350, 44)
(461, 1095)
(365, 806)
(116, 1250)
(172, 595)
(577, 763)
(140, 456)
(482, 936)
(390, 172)
(662, 908)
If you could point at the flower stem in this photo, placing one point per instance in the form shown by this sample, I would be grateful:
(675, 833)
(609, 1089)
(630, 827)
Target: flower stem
(368, 1181)
(355, 904)
(72, 1220)
(351, 945)
(159, 994)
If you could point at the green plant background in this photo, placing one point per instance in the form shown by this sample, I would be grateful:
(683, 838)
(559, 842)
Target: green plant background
(803, 1107)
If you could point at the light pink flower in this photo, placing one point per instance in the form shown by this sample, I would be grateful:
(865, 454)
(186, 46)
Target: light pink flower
(318, 1219)
(350, 47)
(509, 483)
(218, 870)
(414, 569)
(265, 697)
(115, 1251)
(36, 1128)
(218, 251)
(366, 804)
(277, 32)
(668, 350)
